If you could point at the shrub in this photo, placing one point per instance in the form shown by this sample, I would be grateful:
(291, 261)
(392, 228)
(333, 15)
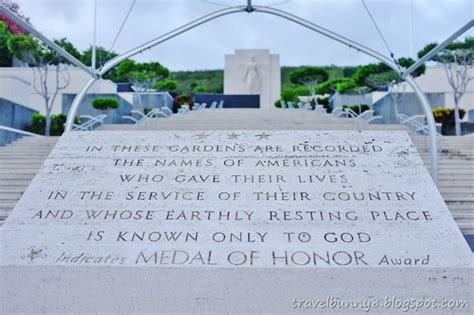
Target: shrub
(348, 72)
(183, 98)
(357, 108)
(291, 94)
(199, 89)
(339, 84)
(323, 101)
(446, 115)
(166, 85)
(346, 86)
(105, 103)
(277, 103)
(304, 75)
(38, 123)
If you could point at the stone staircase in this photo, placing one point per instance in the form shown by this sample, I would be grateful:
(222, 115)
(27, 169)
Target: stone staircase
(20, 160)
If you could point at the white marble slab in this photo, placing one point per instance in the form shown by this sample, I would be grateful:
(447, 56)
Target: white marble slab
(196, 205)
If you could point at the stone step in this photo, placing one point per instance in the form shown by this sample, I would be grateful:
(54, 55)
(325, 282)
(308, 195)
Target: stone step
(462, 171)
(461, 206)
(238, 126)
(9, 171)
(7, 177)
(10, 196)
(24, 155)
(466, 227)
(7, 205)
(25, 150)
(4, 163)
(39, 145)
(469, 217)
(39, 139)
(449, 198)
(15, 182)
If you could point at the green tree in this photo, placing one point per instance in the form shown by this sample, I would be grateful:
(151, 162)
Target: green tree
(309, 77)
(335, 85)
(45, 63)
(348, 72)
(457, 59)
(69, 47)
(101, 56)
(199, 89)
(379, 75)
(143, 76)
(5, 54)
(166, 85)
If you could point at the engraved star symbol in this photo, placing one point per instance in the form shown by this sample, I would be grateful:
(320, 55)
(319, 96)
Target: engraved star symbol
(202, 136)
(262, 136)
(34, 253)
(233, 136)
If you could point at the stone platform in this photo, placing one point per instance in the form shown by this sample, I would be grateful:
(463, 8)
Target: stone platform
(231, 221)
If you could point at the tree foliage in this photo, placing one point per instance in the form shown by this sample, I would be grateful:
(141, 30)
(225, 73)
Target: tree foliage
(105, 103)
(15, 8)
(308, 75)
(335, 85)
(211, 80)
(5, 54)
(166, 85)
(69, 47)
(379, 75)
(102, 55)
(142, 76)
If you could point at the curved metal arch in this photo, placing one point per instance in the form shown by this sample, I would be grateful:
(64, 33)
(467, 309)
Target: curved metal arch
(290, 17)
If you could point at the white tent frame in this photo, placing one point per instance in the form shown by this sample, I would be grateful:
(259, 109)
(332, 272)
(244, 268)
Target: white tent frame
(249, 8)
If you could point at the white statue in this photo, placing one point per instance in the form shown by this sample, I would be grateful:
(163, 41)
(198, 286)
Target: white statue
(252, 77)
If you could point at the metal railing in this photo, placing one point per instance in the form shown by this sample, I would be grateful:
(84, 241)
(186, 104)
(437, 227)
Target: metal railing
(19, 131)
(415, 124)
(91, 122)
(163, 112)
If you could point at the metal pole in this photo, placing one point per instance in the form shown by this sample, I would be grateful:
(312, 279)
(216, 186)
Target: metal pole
(93, 60)
(412, 52)
(431, 126)
(439, 47)
(75, 104)
(249, 8)
(45, 40)
(323, 31)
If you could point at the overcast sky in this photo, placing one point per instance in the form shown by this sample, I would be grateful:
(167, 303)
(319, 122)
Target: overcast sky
(205, 46)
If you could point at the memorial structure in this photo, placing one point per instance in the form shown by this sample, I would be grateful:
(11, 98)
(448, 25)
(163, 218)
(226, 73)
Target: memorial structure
(253, 71)
(233, 221)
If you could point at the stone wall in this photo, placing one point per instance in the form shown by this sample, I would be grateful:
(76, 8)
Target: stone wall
(152, 100)
(230, 101)
(15, 116)
(408, 104)
(113, 116)
(338, 100)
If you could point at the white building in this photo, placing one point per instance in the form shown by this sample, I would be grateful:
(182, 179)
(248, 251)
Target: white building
(16, 85)
(435, 81)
